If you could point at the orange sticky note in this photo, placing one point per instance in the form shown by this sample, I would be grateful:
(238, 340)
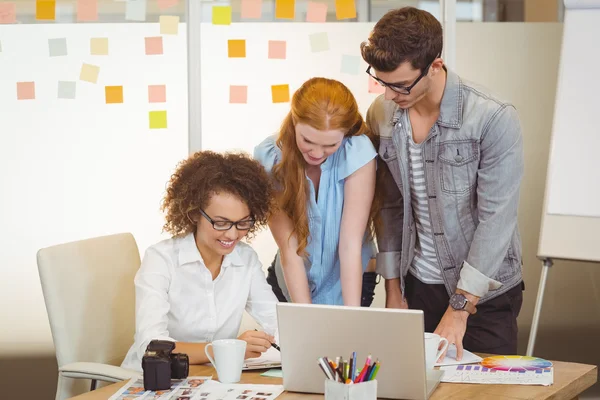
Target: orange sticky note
(89, 73)
(236, 48)
(164, 4)
(280, 93)
(8, 13)
(25, 90)
(169, 24)
(114, 94)
(238, 94)
(87, 10)
(345, 9)
(316, 12)
(158, 119)
(375, 87)
(277, 49)
(251, 8)
(221, 15)
(157, 93)
(284, 9)
(154, 45)
(45, 10)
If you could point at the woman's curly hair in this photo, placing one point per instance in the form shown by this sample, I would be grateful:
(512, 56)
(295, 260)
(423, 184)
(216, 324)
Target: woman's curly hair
(206, 173)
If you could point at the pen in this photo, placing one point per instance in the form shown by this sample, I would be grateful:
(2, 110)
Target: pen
(273, 344)
(352, 366)
(364, 370)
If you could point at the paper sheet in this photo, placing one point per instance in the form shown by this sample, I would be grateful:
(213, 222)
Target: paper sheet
(450, 359)
(481, 375)
(219, 391)
(188, 389)
(273, 373)
(269, 359)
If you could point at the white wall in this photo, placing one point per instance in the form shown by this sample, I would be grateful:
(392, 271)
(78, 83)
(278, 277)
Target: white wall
(73, 169)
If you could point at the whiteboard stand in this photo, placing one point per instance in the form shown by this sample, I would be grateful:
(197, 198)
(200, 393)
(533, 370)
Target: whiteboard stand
(547, 264)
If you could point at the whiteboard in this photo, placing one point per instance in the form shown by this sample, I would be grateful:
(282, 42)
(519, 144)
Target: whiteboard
(571, 219)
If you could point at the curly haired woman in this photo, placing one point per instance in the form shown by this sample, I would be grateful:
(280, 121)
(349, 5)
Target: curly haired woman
(194, 287)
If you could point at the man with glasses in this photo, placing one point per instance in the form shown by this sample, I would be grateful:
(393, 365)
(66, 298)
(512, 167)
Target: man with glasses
(451, 164)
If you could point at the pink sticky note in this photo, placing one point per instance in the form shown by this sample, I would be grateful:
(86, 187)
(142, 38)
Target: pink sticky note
(164, 4)
(8, 13)
(154, 45)
(25, 90)
(251, 9)
(277, 49)
(87, 10)
(157, 93)
(375, 87)
(317, 12)
(238, 94)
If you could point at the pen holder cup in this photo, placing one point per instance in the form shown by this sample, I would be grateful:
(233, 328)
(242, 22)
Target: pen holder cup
(356, 391)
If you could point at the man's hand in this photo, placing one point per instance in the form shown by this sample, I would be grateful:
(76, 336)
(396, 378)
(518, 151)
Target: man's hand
(256, 343)
(453, 326)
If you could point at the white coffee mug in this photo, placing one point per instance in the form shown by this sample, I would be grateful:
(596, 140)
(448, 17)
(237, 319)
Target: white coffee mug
(229, 358)
(433, 350)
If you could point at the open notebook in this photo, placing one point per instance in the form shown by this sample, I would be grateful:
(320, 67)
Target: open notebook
(269, 359)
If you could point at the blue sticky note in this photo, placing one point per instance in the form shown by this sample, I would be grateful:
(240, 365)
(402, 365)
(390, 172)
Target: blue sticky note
(350, 64)
(273, 373)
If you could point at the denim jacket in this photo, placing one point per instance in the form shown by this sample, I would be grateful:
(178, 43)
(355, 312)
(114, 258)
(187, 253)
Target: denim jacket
(473, 170)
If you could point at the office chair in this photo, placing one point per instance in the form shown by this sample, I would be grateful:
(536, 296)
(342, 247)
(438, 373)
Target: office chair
(90, 299)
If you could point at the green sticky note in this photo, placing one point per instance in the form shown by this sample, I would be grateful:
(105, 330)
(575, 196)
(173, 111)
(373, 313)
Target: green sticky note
(158, 119)
(273, 373)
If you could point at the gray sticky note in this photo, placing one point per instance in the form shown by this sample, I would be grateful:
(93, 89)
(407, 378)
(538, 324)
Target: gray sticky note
(319, 42)
(135, 10)
(57, 47)
(350, 64)
(67, 89)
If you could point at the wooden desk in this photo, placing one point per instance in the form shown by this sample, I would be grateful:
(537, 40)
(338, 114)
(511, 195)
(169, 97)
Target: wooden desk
(569, 381)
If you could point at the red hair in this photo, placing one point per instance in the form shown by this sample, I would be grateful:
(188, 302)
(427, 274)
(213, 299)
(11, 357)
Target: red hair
(324, 104)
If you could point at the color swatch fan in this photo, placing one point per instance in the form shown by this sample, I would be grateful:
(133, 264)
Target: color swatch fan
(515, 363)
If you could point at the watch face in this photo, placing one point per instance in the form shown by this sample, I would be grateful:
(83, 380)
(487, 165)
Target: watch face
(458, 301)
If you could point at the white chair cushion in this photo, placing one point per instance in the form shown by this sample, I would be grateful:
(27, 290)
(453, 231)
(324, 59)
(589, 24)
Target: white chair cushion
(97, 371)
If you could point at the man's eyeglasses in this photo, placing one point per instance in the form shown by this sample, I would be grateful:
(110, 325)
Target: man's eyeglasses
(399, 88)
(243, 225)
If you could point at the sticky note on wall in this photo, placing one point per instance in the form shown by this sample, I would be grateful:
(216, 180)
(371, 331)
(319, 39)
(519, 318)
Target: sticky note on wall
(67, 90)
(158, 119)
(238, 94)
(164, 4)
(157, 93)
(8, 13)
(221, 15)
(135, 10)
(316, 12)
(345, 9)
(236, 48)
(277, 49)
(87, 10)
(169, 24)
(113, 94)
(251, 9)
(350, 64)
(89, 73)
(57, 47)
(319, 42)
(280, 93)
(154, 45)
(284, 9)
(99, 46)
(45, 10)
(25, 90)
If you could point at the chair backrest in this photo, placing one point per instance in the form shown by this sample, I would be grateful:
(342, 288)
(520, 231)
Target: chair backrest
(90, 297)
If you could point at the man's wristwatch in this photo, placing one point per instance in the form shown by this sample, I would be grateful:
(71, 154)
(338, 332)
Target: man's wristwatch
(460, 303)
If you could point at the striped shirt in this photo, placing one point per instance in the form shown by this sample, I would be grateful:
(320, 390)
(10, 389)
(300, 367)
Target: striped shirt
(424, 266)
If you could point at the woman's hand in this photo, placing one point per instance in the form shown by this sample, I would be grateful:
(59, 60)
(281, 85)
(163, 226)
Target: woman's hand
(256, 343)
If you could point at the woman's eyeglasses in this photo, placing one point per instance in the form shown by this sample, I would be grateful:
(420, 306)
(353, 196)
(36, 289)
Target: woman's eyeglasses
(243, 225)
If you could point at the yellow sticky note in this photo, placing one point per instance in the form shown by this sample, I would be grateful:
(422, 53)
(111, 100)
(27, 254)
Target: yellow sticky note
(99, 46)
(221, 15)
(169, 25)
(345, 9)
(45, 10)
(158, 119)
(89, 73)
(236, 48)
(284, 9)
(280, 93)
(114, 94)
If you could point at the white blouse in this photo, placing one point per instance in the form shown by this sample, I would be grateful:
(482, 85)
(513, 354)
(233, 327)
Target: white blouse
(176, 298)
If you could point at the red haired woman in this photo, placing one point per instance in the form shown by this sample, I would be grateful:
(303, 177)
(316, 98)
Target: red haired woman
(323, 165)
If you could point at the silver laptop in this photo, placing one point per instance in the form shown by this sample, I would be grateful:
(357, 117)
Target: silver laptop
(395, 337)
